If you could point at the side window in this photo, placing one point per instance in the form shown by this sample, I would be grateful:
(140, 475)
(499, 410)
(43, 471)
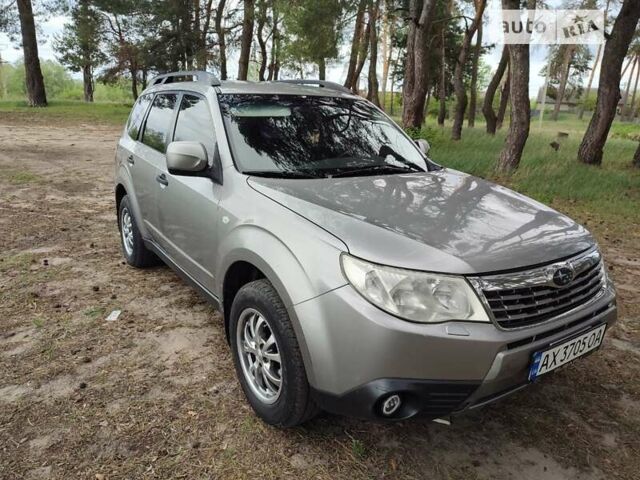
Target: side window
(194, 123)
(158, 121)
(137, 115)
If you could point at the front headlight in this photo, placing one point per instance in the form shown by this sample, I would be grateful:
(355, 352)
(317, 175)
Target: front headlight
(415, 296)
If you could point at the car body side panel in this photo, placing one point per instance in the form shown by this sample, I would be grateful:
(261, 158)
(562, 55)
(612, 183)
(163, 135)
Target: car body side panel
(302, 268)
(143, 173)
(126, 146)
(188, 214)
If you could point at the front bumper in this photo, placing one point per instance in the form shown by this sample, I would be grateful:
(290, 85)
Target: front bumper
(357, 355)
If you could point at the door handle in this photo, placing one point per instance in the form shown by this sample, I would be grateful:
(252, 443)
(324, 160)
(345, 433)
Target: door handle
(162, 179)
(130, 160)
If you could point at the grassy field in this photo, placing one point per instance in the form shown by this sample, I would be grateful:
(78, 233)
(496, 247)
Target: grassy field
(69, 111)
(553, 177)
(611, 191)
(154, 394)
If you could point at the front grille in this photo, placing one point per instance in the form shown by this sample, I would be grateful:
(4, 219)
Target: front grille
(530, 297)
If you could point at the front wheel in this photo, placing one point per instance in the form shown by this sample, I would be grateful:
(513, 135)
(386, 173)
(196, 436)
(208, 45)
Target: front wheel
(267, 357)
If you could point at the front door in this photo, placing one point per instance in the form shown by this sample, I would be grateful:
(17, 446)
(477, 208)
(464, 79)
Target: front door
(188, 205)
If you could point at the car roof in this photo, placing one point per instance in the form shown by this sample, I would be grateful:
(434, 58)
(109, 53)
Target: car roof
(247, 87)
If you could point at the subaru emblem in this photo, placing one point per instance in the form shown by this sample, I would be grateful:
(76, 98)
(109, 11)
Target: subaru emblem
(562, 276)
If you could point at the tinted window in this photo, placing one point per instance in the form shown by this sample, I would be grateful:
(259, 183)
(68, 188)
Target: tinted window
(137, 115)
(159, 121)
(194, 123)
(315, 135)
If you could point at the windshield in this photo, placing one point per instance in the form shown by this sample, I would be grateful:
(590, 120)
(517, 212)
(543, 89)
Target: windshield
(310, 136)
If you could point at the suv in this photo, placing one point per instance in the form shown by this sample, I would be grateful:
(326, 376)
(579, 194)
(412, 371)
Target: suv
(355, 275)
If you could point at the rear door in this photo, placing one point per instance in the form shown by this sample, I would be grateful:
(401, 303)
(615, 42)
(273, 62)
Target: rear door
(188, 206)
(149, 157)
(128, 153)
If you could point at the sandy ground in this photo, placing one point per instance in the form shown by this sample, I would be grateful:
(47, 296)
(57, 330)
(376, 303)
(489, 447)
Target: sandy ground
(154, 395)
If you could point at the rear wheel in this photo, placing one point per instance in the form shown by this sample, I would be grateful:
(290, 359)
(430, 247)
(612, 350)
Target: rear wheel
(267, 357)
(133, 248)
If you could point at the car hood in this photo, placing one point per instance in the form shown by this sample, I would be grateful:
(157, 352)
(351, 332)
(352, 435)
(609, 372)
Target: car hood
(441, 221)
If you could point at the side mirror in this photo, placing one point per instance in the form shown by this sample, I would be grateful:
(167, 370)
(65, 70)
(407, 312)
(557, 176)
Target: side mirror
(423, 146)
(186, 157)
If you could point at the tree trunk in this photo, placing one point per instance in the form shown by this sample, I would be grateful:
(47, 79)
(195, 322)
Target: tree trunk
(473, 91)
(625, 98)
(589, 83)
(442, 83)
(487, 107)
(262, 42)
(562, 86)
(322, 69)
(36, 94)
(393, 67)
(593, 70)
(416, 72)
(520, 108)
(615, 50)
(355, 45)
(631, 110)
(245, 40)
(202, 55)
(504, 99)
(134, 84)
(387, 49)
(636, 157)
(626, 67)
(87, 82)
(275, 45)
(458, 80)
(363, 50)
(222, 45)
(372, 85)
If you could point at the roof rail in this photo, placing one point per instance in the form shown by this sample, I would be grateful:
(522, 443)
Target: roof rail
(196, 76)
(320, 83)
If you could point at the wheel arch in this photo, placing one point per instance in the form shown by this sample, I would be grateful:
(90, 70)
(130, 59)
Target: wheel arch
(249, 252)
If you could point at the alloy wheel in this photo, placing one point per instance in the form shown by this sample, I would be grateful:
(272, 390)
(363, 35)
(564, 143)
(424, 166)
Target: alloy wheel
(259, 355)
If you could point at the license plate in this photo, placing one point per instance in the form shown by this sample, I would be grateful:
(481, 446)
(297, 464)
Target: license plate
(559, 355)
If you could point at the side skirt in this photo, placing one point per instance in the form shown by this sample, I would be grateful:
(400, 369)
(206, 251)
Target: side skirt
(210, 297)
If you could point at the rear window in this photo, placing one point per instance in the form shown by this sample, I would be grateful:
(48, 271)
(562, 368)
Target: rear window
(158, 123)
(137, 115)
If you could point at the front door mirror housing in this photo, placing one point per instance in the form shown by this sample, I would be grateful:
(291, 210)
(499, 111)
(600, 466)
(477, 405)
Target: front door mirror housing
(423, 146)
(187, 157)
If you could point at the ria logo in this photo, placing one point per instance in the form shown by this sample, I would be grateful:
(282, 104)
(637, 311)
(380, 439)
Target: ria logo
(562, 276)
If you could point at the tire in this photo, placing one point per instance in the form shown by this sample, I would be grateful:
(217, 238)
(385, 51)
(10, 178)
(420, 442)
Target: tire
(134, 250)
(292, 405)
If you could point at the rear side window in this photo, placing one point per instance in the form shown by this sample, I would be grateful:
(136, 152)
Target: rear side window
(159, 121)
(194, 123)
(137, 115)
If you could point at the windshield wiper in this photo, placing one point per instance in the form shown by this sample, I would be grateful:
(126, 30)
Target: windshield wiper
(373, 169)
(281, 174)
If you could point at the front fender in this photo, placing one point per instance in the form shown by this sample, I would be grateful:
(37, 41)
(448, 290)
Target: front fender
(301, 269)
(307, 266)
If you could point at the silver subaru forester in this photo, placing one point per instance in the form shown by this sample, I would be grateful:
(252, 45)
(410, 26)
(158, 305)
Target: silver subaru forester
(355, 274)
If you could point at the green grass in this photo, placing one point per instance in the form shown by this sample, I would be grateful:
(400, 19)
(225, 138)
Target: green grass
(70, 110)
(95, 312)
(610, 192)
(22, 178)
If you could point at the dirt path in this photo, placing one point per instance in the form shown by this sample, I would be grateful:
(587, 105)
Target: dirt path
(154, 395)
